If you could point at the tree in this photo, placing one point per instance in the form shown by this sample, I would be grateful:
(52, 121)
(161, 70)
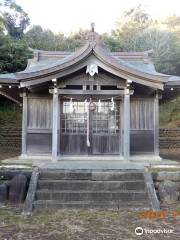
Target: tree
(128, 27)
(113, 43)
(13, 54)
(15, 19)
(38, 38)
(14, 51)
(136, 31)
(172, 22)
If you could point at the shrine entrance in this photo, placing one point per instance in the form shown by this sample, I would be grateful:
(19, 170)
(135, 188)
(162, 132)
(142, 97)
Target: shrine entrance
(90, 127)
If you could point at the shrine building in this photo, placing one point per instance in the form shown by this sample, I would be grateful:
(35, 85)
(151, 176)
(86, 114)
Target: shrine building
(90, 103)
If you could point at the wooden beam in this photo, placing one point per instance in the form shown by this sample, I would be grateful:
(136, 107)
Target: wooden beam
(126, 138)
(24, 124)
(90, 92)
(10, 98)
(55, 116)
(100, 79)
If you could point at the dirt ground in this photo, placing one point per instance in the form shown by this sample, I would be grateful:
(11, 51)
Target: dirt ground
(85, 225)
(172, 154)
(8, 152)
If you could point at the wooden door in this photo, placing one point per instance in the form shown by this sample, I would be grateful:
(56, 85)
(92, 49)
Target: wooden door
(73, 132)
(104, 130)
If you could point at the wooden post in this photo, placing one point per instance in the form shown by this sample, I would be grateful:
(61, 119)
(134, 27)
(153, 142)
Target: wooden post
(55, 121)
(90, 116)
(126, 121)
(156, 124)
(60, 106)
(122, 127)
(24, 124)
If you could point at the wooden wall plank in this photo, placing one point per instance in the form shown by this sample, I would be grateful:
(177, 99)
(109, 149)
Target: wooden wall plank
(39, 113)
(142, 114)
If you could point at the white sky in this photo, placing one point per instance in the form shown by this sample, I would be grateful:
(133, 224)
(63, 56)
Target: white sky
(70, 15)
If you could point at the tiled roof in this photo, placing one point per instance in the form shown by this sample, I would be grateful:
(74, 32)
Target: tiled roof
(45, 62)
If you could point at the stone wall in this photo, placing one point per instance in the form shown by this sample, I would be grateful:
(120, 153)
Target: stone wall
(10, 137)
(167, 186)
(169, 138)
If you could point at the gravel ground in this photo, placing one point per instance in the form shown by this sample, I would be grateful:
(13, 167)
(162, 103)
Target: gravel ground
(84, 225)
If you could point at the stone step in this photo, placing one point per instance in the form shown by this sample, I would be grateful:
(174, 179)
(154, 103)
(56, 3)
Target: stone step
(90, 185)
(49, 204)
(99, 196)
(92, 175)
(91, 189)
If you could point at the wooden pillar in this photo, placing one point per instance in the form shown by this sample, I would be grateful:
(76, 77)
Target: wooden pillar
(126, 120)
(55, 127)
(60, 104)
(156, 124)
(24, 124)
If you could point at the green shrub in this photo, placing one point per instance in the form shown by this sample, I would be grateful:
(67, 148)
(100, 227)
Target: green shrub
(10, 114)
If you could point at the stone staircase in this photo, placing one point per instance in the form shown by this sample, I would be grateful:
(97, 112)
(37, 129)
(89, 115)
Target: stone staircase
(91, 189)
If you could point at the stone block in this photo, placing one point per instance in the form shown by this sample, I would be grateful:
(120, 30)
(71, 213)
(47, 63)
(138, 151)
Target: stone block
(18, 187)
(3, 192)
(169, 192)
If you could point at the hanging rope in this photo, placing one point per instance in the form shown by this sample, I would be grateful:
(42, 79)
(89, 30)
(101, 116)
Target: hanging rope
(86, 105)
(71, 108)
(113, 104)
(102, 99)
(99, 105)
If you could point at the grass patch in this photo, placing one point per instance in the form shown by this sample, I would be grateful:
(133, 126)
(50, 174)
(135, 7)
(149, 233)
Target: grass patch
(169, 114)
(25, 167)
(76, 224)
(10, 114)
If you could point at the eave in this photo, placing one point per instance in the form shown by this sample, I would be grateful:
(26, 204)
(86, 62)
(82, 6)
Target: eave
(80, 59)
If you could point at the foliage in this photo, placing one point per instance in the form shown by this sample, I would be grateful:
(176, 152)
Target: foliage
(13, 54)
(15, 19)
(136, 31)
(172, 22)
(170, 113)
(10, 113)
(138, 16)
(38, 38)
(14, 50)
(129, 26)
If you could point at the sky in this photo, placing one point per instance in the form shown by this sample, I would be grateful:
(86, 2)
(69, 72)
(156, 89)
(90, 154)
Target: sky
(69, 15)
